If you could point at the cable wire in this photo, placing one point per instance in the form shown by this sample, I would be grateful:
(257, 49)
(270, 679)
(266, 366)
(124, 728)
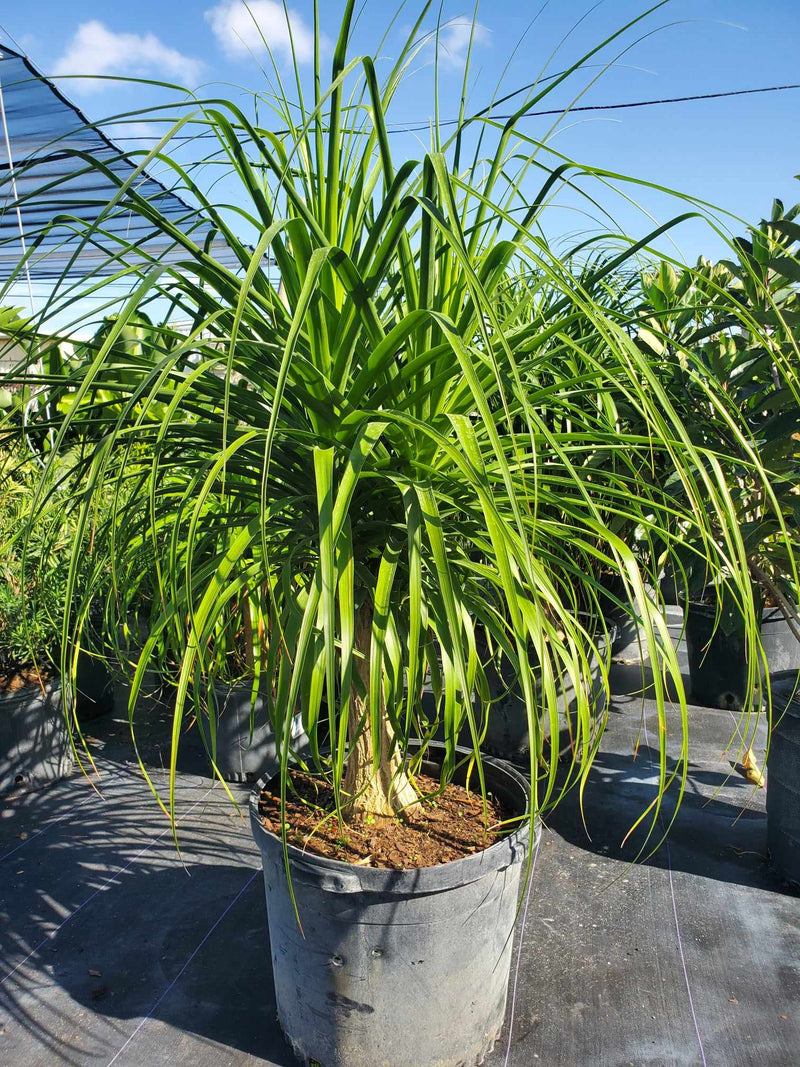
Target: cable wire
(420, 126)
(619, 107)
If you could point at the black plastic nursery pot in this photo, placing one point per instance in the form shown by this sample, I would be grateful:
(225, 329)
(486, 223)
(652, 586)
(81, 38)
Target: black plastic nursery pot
(94, 689)
(394, 968)
(155, 690)
(630, 634)
(242, 756)
(780, 645)
(783, 781)
(34, 741)
(718, 660)
(507, 734)
(153, 693)
(624, 628)
(671, 588)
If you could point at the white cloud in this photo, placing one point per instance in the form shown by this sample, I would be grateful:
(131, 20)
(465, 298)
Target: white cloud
(454, 37)
(243, 28)
(97, 50)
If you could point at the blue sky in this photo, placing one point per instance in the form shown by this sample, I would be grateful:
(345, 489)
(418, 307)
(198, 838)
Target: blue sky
(738, 153)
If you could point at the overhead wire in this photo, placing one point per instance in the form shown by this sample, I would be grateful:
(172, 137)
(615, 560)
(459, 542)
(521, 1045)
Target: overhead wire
(417, 127)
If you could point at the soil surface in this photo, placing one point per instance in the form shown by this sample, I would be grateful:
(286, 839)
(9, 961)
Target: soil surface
(448, 827)
(13, 681)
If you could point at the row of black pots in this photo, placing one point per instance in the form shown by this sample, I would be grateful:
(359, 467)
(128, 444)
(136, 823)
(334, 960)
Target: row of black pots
(507, 731)
(716, 647)
(34, 745)
(245, 741)
(34, 741)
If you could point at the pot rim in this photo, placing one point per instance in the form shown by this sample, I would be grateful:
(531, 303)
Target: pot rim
(769, 613)
(501, 854)
(785, 691)
(772, 613)
(52, 687)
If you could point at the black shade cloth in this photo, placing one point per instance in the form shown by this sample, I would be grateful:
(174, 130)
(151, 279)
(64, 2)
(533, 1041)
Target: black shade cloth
(45, 131)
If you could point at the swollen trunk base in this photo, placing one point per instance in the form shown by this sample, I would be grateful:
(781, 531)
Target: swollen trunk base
(394, 968)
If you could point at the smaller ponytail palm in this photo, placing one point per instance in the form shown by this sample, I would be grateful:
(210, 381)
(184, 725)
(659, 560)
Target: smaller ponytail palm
(428, 445)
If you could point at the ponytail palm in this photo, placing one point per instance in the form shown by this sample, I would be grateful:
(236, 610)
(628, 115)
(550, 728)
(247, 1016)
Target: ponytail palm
(429, 441)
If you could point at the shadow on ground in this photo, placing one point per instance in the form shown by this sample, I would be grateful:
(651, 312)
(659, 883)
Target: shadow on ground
(222, 991)
(718, 831)
(102, 925)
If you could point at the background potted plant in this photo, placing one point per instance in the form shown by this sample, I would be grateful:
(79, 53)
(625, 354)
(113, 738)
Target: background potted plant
(736, 321)
(229, 694)
(34, 575)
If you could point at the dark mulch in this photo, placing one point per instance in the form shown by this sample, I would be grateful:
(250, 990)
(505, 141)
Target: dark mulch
(13, 680)
(447, 827)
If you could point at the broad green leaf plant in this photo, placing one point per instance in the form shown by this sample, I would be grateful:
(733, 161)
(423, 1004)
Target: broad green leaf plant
(735, 323)
(406, 430)
(34, 567)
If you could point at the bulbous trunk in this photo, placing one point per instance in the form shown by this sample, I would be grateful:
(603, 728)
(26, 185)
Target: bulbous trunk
(387, 790)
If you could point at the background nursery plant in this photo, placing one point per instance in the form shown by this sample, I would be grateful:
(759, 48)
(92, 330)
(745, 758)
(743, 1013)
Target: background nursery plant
(734, 323)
